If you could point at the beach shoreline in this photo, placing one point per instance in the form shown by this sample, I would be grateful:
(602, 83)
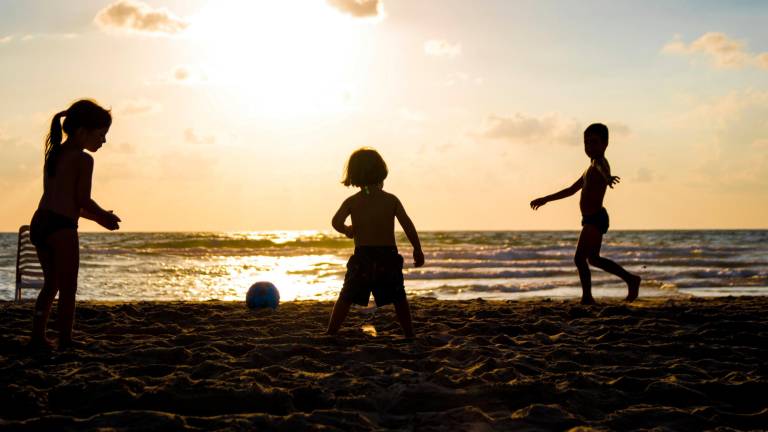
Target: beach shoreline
(537, 364)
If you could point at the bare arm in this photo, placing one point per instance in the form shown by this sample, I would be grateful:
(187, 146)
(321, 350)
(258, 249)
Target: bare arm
(89, 209)
(340, 217)
(604, 168)
(410, 232)
(565, 193)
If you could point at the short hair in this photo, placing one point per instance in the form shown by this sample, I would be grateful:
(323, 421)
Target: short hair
(598, 129)
(365, 167)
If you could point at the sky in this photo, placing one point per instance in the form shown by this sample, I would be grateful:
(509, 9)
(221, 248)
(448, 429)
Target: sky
(240, 115)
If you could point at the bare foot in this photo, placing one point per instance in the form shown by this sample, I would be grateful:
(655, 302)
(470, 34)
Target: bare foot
(633, 288)
(588, 301)
(38, 343)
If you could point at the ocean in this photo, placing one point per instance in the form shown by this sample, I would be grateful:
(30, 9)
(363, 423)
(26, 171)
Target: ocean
(310, 265)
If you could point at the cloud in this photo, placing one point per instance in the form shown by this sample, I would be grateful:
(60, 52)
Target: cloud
(456, 78)
(731, 109)
(358, 8)
(411, 115)
(548, 129)
(181, 73)
(617, 129)
(139, 107)
(133, 15)
(644, 175)
(723, 51)
(34, 36)
(522, 128)
(29, 37)
(191, 137)
(187, 75)
(736, 130)
(762, 60)
(4, 139)
(441, 48)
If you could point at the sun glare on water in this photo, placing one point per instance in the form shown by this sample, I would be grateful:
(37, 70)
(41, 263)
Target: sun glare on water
(281, 57)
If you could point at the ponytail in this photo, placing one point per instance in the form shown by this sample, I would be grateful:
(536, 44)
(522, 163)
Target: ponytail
(53, 143)
(84, 113)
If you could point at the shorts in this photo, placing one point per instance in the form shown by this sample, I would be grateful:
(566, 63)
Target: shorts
(46, 222)
(599, 219)
(377, 270)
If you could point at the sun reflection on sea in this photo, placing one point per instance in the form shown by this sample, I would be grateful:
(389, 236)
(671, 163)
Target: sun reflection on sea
(295, 276)
(280, 237)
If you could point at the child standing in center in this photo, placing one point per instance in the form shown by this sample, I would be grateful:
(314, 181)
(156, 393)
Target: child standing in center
(376, 265)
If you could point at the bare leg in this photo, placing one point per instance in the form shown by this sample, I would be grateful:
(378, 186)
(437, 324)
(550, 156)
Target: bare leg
(66, 259)
(589, 245)
(633, 281)
(339, 314)
(403, 311)
(44, 299)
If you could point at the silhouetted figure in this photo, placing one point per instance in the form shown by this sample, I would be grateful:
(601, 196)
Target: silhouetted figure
(594, 219)
(66, 197)
(376, 265)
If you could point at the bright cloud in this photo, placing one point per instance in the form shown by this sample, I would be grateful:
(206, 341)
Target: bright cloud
(358, 8)
(644, 175)
(133, 15)
(461, 78)
(723, 51)
(187, 75)
(441, 48)
(5, 39)
(522, 128)
(731, 109)
(739, 131)
(548, 129)
(181, 73)
(139, 107)
(192, 137)
(762, 60)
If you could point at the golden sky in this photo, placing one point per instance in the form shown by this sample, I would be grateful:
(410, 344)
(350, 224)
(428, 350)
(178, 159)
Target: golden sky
(239, 115)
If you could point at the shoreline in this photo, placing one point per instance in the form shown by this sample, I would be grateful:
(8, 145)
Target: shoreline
(535, 364)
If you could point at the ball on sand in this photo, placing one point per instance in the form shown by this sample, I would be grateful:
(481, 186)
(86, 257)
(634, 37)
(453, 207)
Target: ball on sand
(262, 294)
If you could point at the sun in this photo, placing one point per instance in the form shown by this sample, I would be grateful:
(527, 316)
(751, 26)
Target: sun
(290, 56)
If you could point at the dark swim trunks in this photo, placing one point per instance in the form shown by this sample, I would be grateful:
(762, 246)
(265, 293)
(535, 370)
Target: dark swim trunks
(45, 222)
(377, 269)
(599, 219)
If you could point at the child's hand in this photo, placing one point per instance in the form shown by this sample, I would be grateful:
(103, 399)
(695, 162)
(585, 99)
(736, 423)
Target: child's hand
(348, 231)
(418, 258)
(538, 202)
(110, 221)
(614, 180)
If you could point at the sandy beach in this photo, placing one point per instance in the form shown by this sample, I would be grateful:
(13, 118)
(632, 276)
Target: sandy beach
(682, 364)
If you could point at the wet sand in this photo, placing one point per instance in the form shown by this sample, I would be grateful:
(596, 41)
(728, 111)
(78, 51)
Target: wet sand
(475, 365)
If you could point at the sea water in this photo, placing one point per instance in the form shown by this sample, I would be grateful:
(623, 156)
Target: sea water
(310, 265)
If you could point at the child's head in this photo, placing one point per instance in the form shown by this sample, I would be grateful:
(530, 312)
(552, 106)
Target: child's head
(595, 140)
(85, 122)
(365, 167)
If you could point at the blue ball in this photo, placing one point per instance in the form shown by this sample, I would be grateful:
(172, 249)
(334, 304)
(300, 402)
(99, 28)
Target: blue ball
(262, 294)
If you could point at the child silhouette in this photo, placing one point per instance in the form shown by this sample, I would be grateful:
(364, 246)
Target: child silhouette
(594, 220)
(376, 265)
(66, 196)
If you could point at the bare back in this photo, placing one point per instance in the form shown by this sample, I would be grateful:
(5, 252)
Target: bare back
(373, 218)
(72, 175)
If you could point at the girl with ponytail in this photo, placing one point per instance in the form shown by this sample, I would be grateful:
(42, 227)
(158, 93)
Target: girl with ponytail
(67, 175)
